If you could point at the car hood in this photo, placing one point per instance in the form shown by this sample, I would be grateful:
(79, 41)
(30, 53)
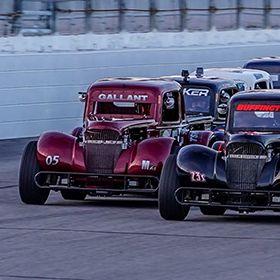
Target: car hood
(256, 137)
(119, 125)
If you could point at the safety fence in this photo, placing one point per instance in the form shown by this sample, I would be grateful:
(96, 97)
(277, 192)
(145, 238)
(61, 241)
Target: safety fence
(66, 17)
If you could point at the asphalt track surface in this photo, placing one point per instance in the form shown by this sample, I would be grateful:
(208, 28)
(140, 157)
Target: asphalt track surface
(98, 239)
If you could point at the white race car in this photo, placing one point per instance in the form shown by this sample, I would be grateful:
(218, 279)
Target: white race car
(245, 79)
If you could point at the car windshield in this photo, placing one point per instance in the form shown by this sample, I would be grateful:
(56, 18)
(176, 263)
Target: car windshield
(122, 110)
(197, 100)
(275, 80)
(257, 117)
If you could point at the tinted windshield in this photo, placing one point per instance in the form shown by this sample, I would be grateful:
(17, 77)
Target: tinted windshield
(122, 109)
(197, 100)
(257, 117)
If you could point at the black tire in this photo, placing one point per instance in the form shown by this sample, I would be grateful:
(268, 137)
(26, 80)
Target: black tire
(73, 195)
(212, 210)
(169, 208)
(29, 192)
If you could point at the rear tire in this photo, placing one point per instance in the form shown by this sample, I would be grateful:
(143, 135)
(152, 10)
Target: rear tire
(212, 210)
(169, 208)
(29, 192)
(73, 195)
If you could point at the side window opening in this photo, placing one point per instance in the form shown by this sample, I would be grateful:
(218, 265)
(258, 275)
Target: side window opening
(170, 107)
(241, 86)
(261, 85)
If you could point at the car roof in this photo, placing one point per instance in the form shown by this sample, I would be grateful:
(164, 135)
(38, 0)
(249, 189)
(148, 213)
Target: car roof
(153, 84)
(203, 81)
(257, 95)
(271, 64)
(250, 75)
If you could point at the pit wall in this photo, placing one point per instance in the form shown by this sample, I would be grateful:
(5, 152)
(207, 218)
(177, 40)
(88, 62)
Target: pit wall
(38, 90)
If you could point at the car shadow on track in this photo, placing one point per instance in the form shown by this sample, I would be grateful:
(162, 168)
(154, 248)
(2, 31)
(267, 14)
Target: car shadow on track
(120, 203)
(254, 218)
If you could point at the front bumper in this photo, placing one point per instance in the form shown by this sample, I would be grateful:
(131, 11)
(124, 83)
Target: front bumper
(229, 198)
(97, 183)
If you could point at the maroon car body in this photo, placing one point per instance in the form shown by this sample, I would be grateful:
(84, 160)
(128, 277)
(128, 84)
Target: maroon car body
(130, 127)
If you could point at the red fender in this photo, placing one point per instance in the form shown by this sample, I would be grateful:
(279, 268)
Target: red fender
(60, 152)
(198, 137)
(148, 157)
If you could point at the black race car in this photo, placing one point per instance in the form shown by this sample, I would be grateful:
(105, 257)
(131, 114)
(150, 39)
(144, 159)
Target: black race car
(240, 173)
(206, 96)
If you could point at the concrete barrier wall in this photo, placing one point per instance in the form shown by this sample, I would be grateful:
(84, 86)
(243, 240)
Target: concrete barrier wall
(38, 92)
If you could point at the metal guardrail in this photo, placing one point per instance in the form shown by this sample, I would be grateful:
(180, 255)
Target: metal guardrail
(40, 17)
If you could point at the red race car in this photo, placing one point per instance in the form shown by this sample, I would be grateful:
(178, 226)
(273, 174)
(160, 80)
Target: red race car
(130, 127)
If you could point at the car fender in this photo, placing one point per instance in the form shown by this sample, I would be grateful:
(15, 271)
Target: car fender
(77, 131)
(201, 164)
(270, 175)
(217, 135)
(149, 155)
(58, 151)
(218, 146)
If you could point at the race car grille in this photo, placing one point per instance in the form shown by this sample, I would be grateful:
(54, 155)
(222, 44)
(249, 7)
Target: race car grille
(245, 149)
(244, 164)
(102, 158)
(102, 135)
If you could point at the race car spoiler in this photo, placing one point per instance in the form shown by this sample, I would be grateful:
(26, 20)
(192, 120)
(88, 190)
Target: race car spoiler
(235, 199)
(65, 180)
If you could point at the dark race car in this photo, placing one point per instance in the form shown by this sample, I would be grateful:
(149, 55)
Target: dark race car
(241, 173)
(206, 96)
(130, 127)
(269, 64)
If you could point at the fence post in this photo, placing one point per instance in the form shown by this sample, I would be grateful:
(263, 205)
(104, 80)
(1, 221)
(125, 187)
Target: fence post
(266, 11)
(183, 6)
(52, 8)
(153, 11)
(15, 21)
(211, 12)
(238, 12)
(121, 15)
(88, 15)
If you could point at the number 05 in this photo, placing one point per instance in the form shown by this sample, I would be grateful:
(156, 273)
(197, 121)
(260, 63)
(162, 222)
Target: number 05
(52, 160)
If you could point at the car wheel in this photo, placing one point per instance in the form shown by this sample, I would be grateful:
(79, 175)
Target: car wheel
(73, 195)
(29, 192)
(212, 210)
(169, 208)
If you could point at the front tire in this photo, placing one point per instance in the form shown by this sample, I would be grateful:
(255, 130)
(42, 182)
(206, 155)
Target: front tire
(29, 192)
(169, 208)
(212, 210)
(73, 195)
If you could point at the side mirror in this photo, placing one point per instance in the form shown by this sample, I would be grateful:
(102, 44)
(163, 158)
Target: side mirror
(82, 96)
